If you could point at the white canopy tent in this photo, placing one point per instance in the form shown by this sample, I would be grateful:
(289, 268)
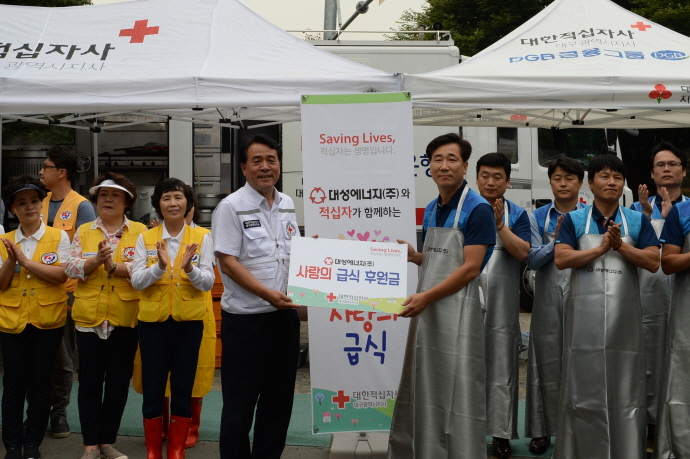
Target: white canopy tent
(578, 63)
(201, 60)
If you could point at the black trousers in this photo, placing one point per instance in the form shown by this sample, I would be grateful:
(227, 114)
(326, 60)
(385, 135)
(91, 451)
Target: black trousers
(169, 347)
(28, 358)
(109, 361)
(266, 349)
(63, 371)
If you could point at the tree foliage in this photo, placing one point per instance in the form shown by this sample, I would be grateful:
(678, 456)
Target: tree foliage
(49, 3)
(672, 14)
(476, 24)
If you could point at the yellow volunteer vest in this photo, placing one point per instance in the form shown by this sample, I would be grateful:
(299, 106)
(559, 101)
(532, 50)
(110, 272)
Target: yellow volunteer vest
(173, 294)
(206, 367)
(103, 297)
(65, 219)
(29, 299)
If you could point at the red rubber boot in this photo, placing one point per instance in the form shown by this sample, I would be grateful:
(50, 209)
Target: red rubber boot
(153, 437)
(177, 435)
(193, 435)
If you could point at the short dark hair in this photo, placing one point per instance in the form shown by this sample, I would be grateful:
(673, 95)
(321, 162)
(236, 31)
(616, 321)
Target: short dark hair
(195, 202)
(17, 183)
(168, 185)
(121, 180)
(447, 139)
(64, 158)
(666, 145)
(495, 160)
(570, 165)
(603, 162)
(263, 140)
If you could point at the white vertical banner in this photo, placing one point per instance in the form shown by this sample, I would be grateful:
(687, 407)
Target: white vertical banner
(357, 153)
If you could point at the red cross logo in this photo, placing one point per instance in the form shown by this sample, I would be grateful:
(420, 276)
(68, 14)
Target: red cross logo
(341, 399)
(331, 298)
(641, 26)
(139, 32)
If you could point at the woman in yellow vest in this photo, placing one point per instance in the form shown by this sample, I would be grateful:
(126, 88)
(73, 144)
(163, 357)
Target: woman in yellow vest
(206, 366)
(173, 267)
(33, 310)
(105, 312)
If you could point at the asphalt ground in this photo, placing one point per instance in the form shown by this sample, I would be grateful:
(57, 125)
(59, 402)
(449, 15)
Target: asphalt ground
(134, 447)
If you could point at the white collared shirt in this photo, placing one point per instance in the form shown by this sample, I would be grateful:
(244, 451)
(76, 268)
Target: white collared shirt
(29, 243)
(260, 237)
(201, 276)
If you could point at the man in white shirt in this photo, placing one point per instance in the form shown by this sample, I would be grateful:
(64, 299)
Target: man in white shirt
(252, 233)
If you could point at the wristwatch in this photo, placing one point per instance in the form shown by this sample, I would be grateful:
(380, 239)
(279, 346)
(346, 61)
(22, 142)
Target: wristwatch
(112, 270)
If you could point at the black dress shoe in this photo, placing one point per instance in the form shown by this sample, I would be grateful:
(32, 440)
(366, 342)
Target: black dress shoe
(539, 445)
(31, 452)
(59, 428)
(502, 449)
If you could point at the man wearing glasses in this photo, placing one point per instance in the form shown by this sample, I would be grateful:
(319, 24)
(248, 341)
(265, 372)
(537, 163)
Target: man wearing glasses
(668, 171)
(65, 209)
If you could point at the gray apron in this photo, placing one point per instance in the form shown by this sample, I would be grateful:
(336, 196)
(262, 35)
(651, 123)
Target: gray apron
(673, 422)
(500, 283)
(439, 412)
(602, 410)
(546, 346)
(655, 298)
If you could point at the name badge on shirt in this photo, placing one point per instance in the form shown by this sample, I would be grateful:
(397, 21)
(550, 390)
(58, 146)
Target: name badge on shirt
(88, 254)
(152, 257)
(17, 268)
(251, 224)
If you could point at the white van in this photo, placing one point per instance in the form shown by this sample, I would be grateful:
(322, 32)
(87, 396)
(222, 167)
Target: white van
(530, 149)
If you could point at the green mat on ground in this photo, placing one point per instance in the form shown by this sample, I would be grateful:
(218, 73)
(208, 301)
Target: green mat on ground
(299, 433)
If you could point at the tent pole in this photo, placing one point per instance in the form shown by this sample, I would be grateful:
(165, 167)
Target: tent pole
(94, 148)
(2, 215)
(180, 150)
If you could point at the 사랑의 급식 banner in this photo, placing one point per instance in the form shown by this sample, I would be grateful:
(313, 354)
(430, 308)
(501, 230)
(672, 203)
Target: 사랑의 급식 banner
(361, 276)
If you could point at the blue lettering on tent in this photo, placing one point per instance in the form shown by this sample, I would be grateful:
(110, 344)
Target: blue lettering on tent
(669, 55)
(595, 52)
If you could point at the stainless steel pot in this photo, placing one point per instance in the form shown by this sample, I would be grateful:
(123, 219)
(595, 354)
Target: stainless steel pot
(206, 217)
(209, 201)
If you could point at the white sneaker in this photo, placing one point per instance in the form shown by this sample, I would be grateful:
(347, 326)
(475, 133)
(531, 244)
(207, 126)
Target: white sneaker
(109, 452)
(91, 454)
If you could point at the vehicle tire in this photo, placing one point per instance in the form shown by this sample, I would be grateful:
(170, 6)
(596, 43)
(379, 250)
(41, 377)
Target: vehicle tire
(526, 293)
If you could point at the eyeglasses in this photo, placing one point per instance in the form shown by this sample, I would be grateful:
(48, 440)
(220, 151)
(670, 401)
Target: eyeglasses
(45, 166)
(669, 164)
